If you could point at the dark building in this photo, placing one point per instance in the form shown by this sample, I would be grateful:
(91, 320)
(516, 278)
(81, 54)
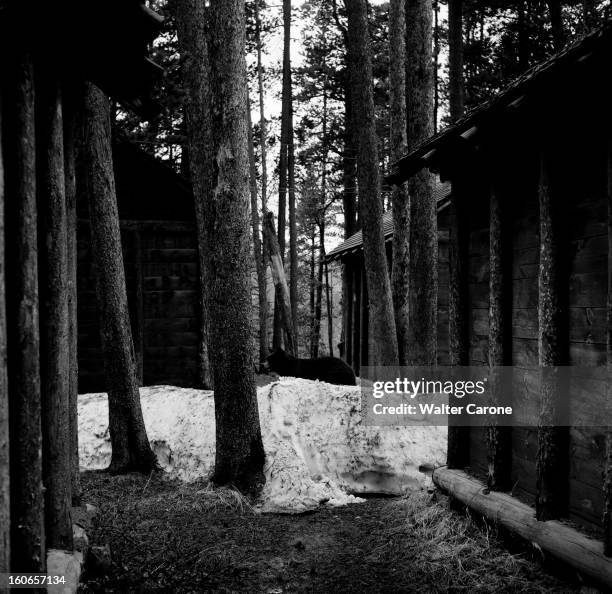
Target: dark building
(157, 218)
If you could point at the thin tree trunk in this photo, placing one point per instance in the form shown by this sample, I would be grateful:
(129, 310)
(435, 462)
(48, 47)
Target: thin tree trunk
(191, 26)
(71, 122)
(555, 9)
(5, 495)
(319, 290)
(239, 447)
(312, 285)
(23, 348)
(130, 444)
(54, 340)
(330, 309)
(399, 197)
(257, 248)
(383, 334)
(436, 65)
(455, 59)
(262, 146)
(283, 171)
(423, 305)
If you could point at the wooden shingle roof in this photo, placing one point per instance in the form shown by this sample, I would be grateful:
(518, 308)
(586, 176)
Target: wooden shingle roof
(537, 81)
(355, 243)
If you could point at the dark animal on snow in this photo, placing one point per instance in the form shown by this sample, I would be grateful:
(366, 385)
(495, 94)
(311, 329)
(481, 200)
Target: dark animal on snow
(326, 369)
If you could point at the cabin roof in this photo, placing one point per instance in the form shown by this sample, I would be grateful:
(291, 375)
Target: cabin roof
(355, 242)
(80, 40)
(535, 82)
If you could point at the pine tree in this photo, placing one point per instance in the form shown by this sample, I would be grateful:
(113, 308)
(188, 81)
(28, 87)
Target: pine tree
(383, 336)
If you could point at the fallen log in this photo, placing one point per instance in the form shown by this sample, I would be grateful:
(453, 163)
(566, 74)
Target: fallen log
(566, 544)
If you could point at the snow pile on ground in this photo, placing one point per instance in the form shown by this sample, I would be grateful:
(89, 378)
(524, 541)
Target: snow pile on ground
(317, 449)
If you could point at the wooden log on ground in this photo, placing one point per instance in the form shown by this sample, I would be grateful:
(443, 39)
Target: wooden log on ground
(458, 437)
(553, 437)
(582, 553)
(23, 341)
(607, 487)
(280, 282)
(499, 439)
(54, 338)
(5, 507)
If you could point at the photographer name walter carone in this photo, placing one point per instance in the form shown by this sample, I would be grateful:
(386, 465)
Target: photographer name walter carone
(405, 387)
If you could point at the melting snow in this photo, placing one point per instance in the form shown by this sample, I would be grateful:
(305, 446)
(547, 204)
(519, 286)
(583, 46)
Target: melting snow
(317, 449)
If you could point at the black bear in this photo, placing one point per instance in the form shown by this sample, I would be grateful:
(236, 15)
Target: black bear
(326, 369)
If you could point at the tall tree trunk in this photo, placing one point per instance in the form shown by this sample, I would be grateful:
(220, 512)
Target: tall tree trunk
(71, 122)
(23, 342)
(330, 309)
(436, 29)
(423, 216)
(191, 26)
(399, 196)
(455, 59)
(54, 340)
(283, 170)
(239, 447)
(260, 265)
(5, 495)
(312, 288)
(130, 445)
(555, 9)
(262, 147)
(383, 336)
(319, 290)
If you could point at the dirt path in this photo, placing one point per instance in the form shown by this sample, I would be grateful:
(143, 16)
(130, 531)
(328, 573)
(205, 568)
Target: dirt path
(169, 537)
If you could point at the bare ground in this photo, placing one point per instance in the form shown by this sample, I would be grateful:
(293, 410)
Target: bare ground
(170, 537)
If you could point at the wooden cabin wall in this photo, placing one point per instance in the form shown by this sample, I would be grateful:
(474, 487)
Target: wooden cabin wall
(169, 310)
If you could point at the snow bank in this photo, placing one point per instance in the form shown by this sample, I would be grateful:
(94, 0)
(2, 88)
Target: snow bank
(317, 449)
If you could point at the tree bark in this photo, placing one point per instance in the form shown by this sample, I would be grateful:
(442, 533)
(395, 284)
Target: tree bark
(455, 59)
(54, 339)
(239, 447)
(436, 33)
(260, 264)
(23, 341)
(191, 21)
(458, 436)
(607, 486)
(263, 153)
(400, 272)
(383, 335)
(423, 216)
(71, 106)
(330, 309)
(553, 438)
(499, 439)
(5, 495)
(555, 9)
(319, 290)
(130, 445)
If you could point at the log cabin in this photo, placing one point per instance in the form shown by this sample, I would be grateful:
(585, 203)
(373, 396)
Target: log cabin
(531, 286)
(354, 345)
(49, 50)
(157, 218)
